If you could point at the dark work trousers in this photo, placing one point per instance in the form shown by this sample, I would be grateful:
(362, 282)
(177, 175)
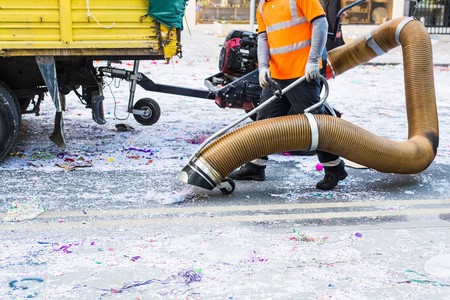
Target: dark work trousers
(300, 97)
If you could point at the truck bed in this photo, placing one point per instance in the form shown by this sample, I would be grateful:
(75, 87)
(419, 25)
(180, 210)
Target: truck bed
(70, 28)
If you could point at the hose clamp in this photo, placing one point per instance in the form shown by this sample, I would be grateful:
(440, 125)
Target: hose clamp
(206, 171)
(314, 131)
(400, 27)
(373, 44)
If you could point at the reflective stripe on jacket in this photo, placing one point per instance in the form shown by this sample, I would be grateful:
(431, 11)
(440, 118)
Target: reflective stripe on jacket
(288, 27)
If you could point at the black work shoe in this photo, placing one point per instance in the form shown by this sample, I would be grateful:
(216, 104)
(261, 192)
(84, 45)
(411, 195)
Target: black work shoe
(331, 179)
(249, 171)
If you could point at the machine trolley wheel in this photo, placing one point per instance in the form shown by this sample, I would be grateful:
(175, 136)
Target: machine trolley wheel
(9, 120)
(146, 111)
(227, 186)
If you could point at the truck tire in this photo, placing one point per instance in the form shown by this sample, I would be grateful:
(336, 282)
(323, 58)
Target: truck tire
(9, 121)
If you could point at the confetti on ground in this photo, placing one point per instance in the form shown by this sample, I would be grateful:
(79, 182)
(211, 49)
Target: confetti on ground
(24, 211)
(187, 276)
(70, 164)
(416, 277)
(198, 139)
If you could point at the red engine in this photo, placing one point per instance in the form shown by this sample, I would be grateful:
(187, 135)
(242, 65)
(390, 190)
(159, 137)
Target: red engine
(239, 53)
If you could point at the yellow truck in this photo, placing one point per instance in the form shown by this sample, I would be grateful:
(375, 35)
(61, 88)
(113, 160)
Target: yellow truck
(50, 46)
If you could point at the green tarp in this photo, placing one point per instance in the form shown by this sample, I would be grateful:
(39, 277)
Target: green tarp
(168, 12)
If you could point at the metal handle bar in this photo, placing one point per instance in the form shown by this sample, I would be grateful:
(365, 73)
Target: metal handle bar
(261, 106)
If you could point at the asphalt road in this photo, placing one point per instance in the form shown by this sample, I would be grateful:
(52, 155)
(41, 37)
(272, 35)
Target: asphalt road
(104, 235)
(286, 184)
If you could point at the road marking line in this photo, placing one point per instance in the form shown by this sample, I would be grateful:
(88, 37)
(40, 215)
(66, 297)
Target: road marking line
(223, 219)
(174, 210)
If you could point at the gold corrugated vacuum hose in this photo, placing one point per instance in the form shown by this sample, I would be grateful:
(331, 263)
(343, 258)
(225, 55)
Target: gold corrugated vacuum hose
(331, 134)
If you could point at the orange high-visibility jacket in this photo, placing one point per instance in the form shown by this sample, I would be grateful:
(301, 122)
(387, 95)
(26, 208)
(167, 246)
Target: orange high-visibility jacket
(288, 27)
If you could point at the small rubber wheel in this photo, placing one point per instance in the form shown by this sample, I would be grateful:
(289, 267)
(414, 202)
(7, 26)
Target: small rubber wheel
(229, 186)
(9, 121)
(152, 111)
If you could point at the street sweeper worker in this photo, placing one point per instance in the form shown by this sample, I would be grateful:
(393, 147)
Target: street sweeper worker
(291, 38)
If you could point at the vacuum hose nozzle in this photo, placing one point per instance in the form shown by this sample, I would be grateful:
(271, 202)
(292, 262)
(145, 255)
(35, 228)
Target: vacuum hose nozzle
(199, 174)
